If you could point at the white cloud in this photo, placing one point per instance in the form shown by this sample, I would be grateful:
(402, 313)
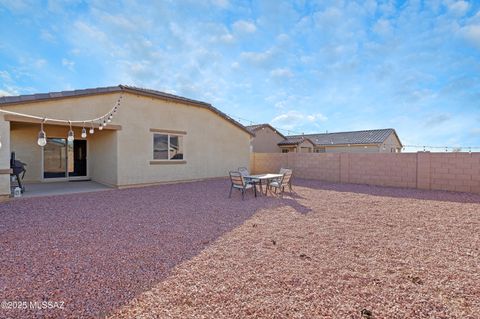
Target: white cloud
(294, 119)
(47, 36)
(242, 26)
(220, 3)
(472, 34)
(68, 64)
(258, 58)
(382, 27)
(458, 8)
(7, 93)
(281, 73)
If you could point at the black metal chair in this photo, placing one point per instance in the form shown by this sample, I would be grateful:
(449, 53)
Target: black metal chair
(238, 182)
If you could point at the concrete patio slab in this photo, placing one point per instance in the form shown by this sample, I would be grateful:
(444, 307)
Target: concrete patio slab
(62, 188)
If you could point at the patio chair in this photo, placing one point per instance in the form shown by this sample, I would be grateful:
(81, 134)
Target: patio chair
(282, 171)
(238, 182)
(285, 181)
(244, 171)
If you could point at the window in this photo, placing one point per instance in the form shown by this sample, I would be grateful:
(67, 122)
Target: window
(320, 150)
(284, 150)
(167, 147)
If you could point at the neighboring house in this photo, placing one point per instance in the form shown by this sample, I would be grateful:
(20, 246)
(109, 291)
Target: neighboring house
(296, 144)
(368, 141)
(154, 137)
(266, 138)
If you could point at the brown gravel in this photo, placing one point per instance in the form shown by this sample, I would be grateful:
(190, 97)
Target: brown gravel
(334, 251)
(97, 251)
(187, 251)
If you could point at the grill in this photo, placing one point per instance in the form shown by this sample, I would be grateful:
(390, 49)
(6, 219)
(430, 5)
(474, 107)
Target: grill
(18, 168)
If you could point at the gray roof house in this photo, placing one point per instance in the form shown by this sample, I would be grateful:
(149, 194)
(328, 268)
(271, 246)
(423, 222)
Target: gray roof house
(371, 141)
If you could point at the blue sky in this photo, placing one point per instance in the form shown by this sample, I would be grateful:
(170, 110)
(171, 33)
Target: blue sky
(307, 66)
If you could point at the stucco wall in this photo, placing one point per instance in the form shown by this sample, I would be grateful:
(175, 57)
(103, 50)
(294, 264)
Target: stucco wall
(4, 158)
(213, 146)
(391, 144)
(266, 140)
(436, 171)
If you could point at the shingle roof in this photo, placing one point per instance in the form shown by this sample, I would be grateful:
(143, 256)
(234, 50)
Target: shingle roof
(343, 138)
(256, 127)
(9, 100)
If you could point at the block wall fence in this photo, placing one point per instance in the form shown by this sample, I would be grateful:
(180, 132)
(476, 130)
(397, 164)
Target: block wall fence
(458, 172)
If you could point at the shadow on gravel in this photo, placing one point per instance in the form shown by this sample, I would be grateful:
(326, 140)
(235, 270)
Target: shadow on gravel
(391, 191)
(96, 251)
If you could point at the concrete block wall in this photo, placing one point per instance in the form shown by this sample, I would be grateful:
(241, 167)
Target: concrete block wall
(436, 171)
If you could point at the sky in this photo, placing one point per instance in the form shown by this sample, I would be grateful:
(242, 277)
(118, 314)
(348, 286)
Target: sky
(303, 66)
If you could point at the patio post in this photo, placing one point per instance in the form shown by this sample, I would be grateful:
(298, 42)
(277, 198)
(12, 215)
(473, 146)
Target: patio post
(4, 159)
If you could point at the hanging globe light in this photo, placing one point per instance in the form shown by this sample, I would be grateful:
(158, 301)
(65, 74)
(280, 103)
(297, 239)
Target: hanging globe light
(92, 130)
(71, 135)
(100, 126)
(42, 137)
(84, 133)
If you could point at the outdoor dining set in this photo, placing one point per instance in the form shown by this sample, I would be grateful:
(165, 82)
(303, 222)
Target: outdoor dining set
(242, 180)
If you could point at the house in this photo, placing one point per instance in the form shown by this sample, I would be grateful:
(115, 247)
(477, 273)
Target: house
(368, 141)
(266, 138)
(153, 137)
(298, 144)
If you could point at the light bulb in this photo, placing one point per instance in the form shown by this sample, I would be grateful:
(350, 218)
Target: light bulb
(110, 117)
(42, 139)
(100, 128)
(71, 136)
(104, 123)
(84, 133)
(109, 120)
(91, 131)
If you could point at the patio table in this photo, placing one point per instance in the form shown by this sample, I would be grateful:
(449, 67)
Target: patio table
(263, 177)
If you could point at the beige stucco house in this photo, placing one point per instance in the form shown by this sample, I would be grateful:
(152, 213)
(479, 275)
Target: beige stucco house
(154, 137)
(367, 141)
(266, 138)
(296, 144)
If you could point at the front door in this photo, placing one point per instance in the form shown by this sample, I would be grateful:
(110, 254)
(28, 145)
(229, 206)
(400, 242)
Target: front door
(63, 159)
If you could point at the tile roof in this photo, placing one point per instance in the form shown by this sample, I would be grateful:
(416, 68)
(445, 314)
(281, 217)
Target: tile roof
(290, 140)
(253, 128)
(343, 138)
(9, 100)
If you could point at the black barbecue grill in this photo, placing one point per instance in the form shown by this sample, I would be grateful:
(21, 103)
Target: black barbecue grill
(18, 168)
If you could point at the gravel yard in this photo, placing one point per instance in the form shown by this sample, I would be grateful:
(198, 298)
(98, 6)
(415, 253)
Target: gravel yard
(187, 251)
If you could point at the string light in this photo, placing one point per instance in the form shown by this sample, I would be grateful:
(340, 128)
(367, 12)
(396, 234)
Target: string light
(84, 131)
(42, 136)
(71, 135)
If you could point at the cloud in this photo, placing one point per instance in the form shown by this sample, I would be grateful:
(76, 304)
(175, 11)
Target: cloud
(262, 59)
(295, 119)
(458, 8)
(382, 27)
(242, 26)
(70, 65)
(472, 34)
(281, 73)
(7, 93)
(47, 36)
(437, 119)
